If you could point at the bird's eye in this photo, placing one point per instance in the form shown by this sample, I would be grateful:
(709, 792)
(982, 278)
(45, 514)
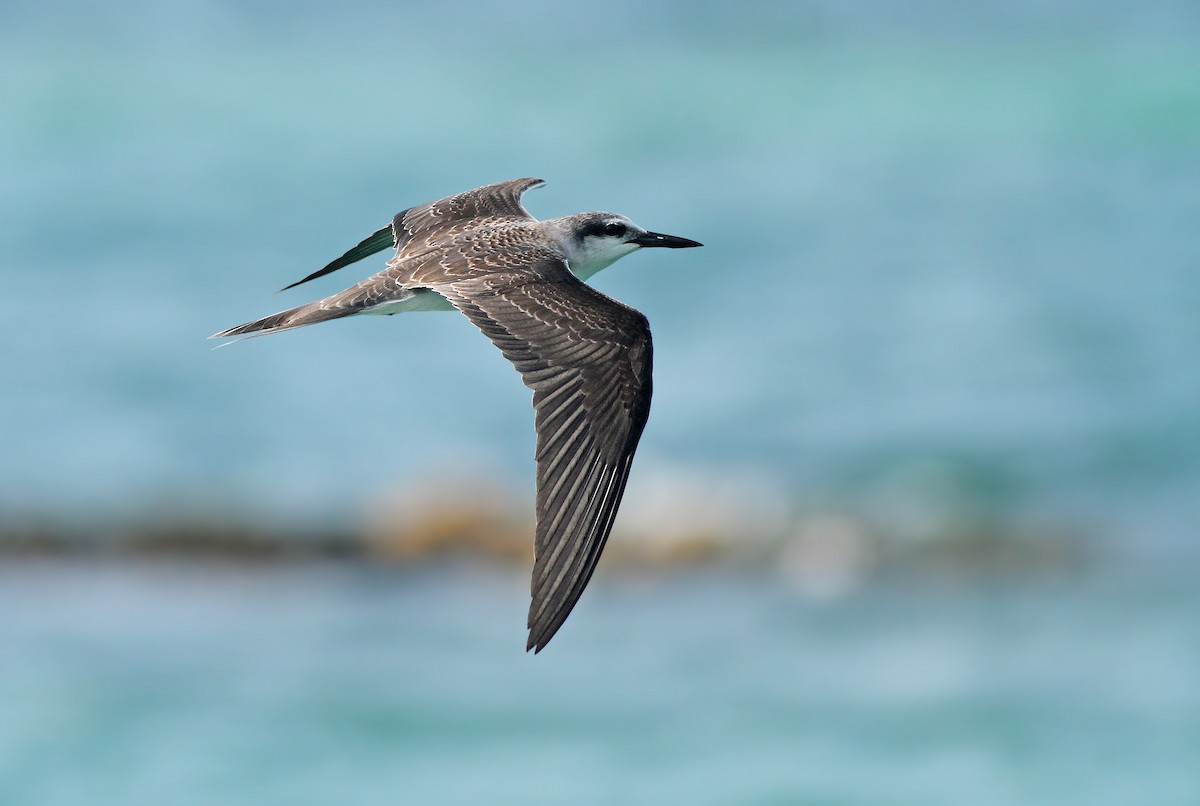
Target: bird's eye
(616, 229)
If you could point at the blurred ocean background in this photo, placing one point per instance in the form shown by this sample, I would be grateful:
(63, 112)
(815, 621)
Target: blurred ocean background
(929, 400)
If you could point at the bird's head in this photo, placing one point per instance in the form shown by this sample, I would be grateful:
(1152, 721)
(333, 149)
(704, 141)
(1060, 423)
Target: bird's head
(594, 241)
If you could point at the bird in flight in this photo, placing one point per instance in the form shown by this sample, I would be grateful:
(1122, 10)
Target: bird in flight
(586, 356)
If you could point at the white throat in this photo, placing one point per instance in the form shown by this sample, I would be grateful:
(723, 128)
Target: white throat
(593, 256)
(586, 256)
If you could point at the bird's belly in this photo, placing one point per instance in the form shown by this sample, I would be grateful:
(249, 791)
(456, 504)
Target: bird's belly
(421, 300)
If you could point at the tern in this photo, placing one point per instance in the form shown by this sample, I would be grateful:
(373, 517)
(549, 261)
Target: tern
(586, 356)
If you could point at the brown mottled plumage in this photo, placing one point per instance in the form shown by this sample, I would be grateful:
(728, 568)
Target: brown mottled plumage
(586, 356)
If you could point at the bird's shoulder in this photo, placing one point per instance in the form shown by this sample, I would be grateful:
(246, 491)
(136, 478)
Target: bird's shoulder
(485, 248)
(426, 224)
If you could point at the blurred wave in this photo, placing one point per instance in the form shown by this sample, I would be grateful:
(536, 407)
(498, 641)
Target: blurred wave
(331, 684)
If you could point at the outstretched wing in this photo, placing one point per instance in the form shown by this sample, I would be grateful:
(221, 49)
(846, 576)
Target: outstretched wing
(587, 359)
(416, 229)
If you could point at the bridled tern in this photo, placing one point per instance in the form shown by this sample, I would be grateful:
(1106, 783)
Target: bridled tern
(586, 356)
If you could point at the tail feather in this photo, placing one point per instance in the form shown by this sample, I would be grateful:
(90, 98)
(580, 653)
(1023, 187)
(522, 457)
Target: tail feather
(290, 319)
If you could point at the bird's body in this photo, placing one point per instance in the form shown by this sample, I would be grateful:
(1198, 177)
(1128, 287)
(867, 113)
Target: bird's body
(586, 357)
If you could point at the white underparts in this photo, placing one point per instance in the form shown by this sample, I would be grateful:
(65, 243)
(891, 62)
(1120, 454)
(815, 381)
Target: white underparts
(422, 300)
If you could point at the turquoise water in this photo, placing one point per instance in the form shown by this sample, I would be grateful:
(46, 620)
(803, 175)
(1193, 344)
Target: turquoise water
(951, 285)
(170, 684)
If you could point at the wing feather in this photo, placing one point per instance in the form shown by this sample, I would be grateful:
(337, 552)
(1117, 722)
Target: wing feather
(377, 241)
(415, 230)
(588, 360)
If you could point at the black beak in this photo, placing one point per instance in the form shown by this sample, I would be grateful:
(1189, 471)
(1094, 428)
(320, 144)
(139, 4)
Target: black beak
(669, 241)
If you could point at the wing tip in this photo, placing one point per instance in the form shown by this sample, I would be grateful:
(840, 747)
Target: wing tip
(524, 184)
(543, 626)
(377, 241)
(550, 620)
(538, 640)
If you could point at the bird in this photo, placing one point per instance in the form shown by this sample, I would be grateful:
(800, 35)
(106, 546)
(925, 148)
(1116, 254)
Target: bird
(586, 357)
